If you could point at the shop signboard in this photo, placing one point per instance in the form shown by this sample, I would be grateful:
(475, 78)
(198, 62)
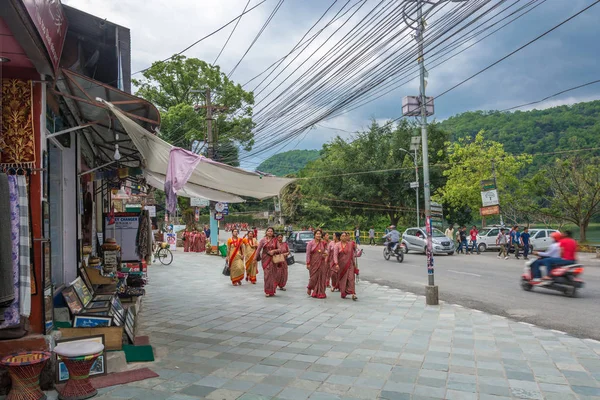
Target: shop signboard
(488, 184)
(51, 23)
(151, 211)
(171, 239)
(124, 231)
(199, 202)
(437, 215)
(196, 214)
(218, 216)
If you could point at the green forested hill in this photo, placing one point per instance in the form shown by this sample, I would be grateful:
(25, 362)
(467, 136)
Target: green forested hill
(537, 131)
(289, 162)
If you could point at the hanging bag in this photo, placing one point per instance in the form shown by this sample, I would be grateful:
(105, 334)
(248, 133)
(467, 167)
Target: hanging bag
(290, 260)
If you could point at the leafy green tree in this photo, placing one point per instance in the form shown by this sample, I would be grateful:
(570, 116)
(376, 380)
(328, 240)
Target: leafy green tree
(470, 162)
(341, 179)
(569, 190)
(171, 86)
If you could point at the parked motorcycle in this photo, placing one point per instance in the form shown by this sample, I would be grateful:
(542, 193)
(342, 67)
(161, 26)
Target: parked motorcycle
(397, 252)
(565, 279)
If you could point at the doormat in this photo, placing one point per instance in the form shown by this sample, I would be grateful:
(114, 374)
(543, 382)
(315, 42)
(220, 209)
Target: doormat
(120, 378)
(138, 353)
(142, 340)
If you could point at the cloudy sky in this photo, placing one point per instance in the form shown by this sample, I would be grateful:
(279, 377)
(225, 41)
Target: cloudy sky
(562, 59)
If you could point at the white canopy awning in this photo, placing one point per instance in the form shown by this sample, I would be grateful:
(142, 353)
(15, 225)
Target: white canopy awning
(209, 175)
(190, 190)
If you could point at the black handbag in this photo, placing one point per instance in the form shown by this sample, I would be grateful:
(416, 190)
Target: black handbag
(226, 270)
(290, 260)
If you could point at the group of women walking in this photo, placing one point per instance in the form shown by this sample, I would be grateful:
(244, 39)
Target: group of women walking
(194, 241)
(329, 263)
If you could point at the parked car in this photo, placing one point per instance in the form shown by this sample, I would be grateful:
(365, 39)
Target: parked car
(540, 239)
(297, 241)
(414, 239)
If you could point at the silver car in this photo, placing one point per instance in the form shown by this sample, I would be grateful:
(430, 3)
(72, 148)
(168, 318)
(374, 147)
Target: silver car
(414, 239)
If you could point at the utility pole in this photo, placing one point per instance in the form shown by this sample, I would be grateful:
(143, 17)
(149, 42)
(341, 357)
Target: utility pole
(417, 189)
(431, 291)
(496, 186)
(214, 224)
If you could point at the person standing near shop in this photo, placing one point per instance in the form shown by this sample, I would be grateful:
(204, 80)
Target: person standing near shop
(267, 248)
(235, 258)
(316, 264)
(282, 267)
(250, 251)
(372, 236)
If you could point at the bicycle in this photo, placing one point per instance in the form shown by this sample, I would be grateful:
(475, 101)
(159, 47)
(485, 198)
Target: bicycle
(163, 253)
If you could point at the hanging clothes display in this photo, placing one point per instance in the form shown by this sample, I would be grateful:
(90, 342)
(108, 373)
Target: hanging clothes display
(7, 290)
(12, 317)
(24, 248)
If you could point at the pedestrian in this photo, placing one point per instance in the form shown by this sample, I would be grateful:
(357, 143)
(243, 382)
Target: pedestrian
(255, 232)
(458, 243)
(186, 240)
(316, 264)
(515, 238)
(357, 235)
(344, 258)
(525, 236)
(267, 248)
(463, 240)
(372, 236)
(235, 258)
(450, 232)
(333, 274)
(502, 241)
(473, 233)
(201, 242)
(250, 247)
(282, 267)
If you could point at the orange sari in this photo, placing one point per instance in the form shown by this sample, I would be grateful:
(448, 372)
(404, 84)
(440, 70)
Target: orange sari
(250, 247)
(236, 260)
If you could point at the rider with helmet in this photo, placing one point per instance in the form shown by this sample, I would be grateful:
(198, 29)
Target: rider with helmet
(568, 254)
(393, 236)
(553, 252)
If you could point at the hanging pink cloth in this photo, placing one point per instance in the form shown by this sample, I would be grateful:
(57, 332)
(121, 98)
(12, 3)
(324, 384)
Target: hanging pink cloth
(182, 164)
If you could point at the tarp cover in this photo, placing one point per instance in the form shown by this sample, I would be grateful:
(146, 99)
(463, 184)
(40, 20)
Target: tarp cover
(208, 174)
(190, 190)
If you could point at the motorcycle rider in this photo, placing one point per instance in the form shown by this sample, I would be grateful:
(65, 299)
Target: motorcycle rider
(394, 238)
(568, 254)
(553, 252)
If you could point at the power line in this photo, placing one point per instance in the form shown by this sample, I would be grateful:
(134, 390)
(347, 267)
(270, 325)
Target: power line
(553, 95)
(231, 34)
(277, 7)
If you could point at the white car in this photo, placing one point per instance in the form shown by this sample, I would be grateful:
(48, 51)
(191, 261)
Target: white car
(413, 239)
(540, 238)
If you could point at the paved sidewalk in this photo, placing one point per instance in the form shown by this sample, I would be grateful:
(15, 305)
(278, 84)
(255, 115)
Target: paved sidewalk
(216, 341)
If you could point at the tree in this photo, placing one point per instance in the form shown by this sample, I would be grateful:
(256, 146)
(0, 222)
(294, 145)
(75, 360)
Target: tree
(470, 162)
(170, 86)
(570, 190)
(342, 179)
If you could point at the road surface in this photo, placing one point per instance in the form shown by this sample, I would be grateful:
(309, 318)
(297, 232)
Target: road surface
(488, 284)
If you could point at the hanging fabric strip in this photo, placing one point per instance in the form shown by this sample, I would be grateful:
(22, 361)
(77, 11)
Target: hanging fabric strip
(7, 293)
(12, 317)
(24, 261)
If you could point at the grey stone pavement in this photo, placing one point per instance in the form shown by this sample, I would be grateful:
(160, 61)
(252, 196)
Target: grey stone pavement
(216, 341)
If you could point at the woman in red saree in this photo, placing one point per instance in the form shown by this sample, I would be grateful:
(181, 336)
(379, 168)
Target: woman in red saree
(235, 258)
(333, 274)
(282, 267)
(317, 265)
(201, 242)
(267, 248)
(343, 257)
(250, 250)
(186, 241)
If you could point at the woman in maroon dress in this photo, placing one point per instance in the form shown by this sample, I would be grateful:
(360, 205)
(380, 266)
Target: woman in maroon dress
(201, 242)
(282, 267)
(267, 248)
(317, 265)
(186, 241)
(343, 257)
(333, 274)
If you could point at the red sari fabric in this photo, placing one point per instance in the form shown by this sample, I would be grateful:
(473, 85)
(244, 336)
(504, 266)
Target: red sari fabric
(202, 242)
(316, 259)
(270, 274)
(343, 256)
(186, 241)
(282, 268)
(333, 274)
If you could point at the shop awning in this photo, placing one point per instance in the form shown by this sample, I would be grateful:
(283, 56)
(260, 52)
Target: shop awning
(82, 93)
(209, 174)
(190, 190)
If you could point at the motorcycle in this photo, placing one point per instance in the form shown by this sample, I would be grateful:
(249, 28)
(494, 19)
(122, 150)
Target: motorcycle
(565, 279)
(397, 252)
